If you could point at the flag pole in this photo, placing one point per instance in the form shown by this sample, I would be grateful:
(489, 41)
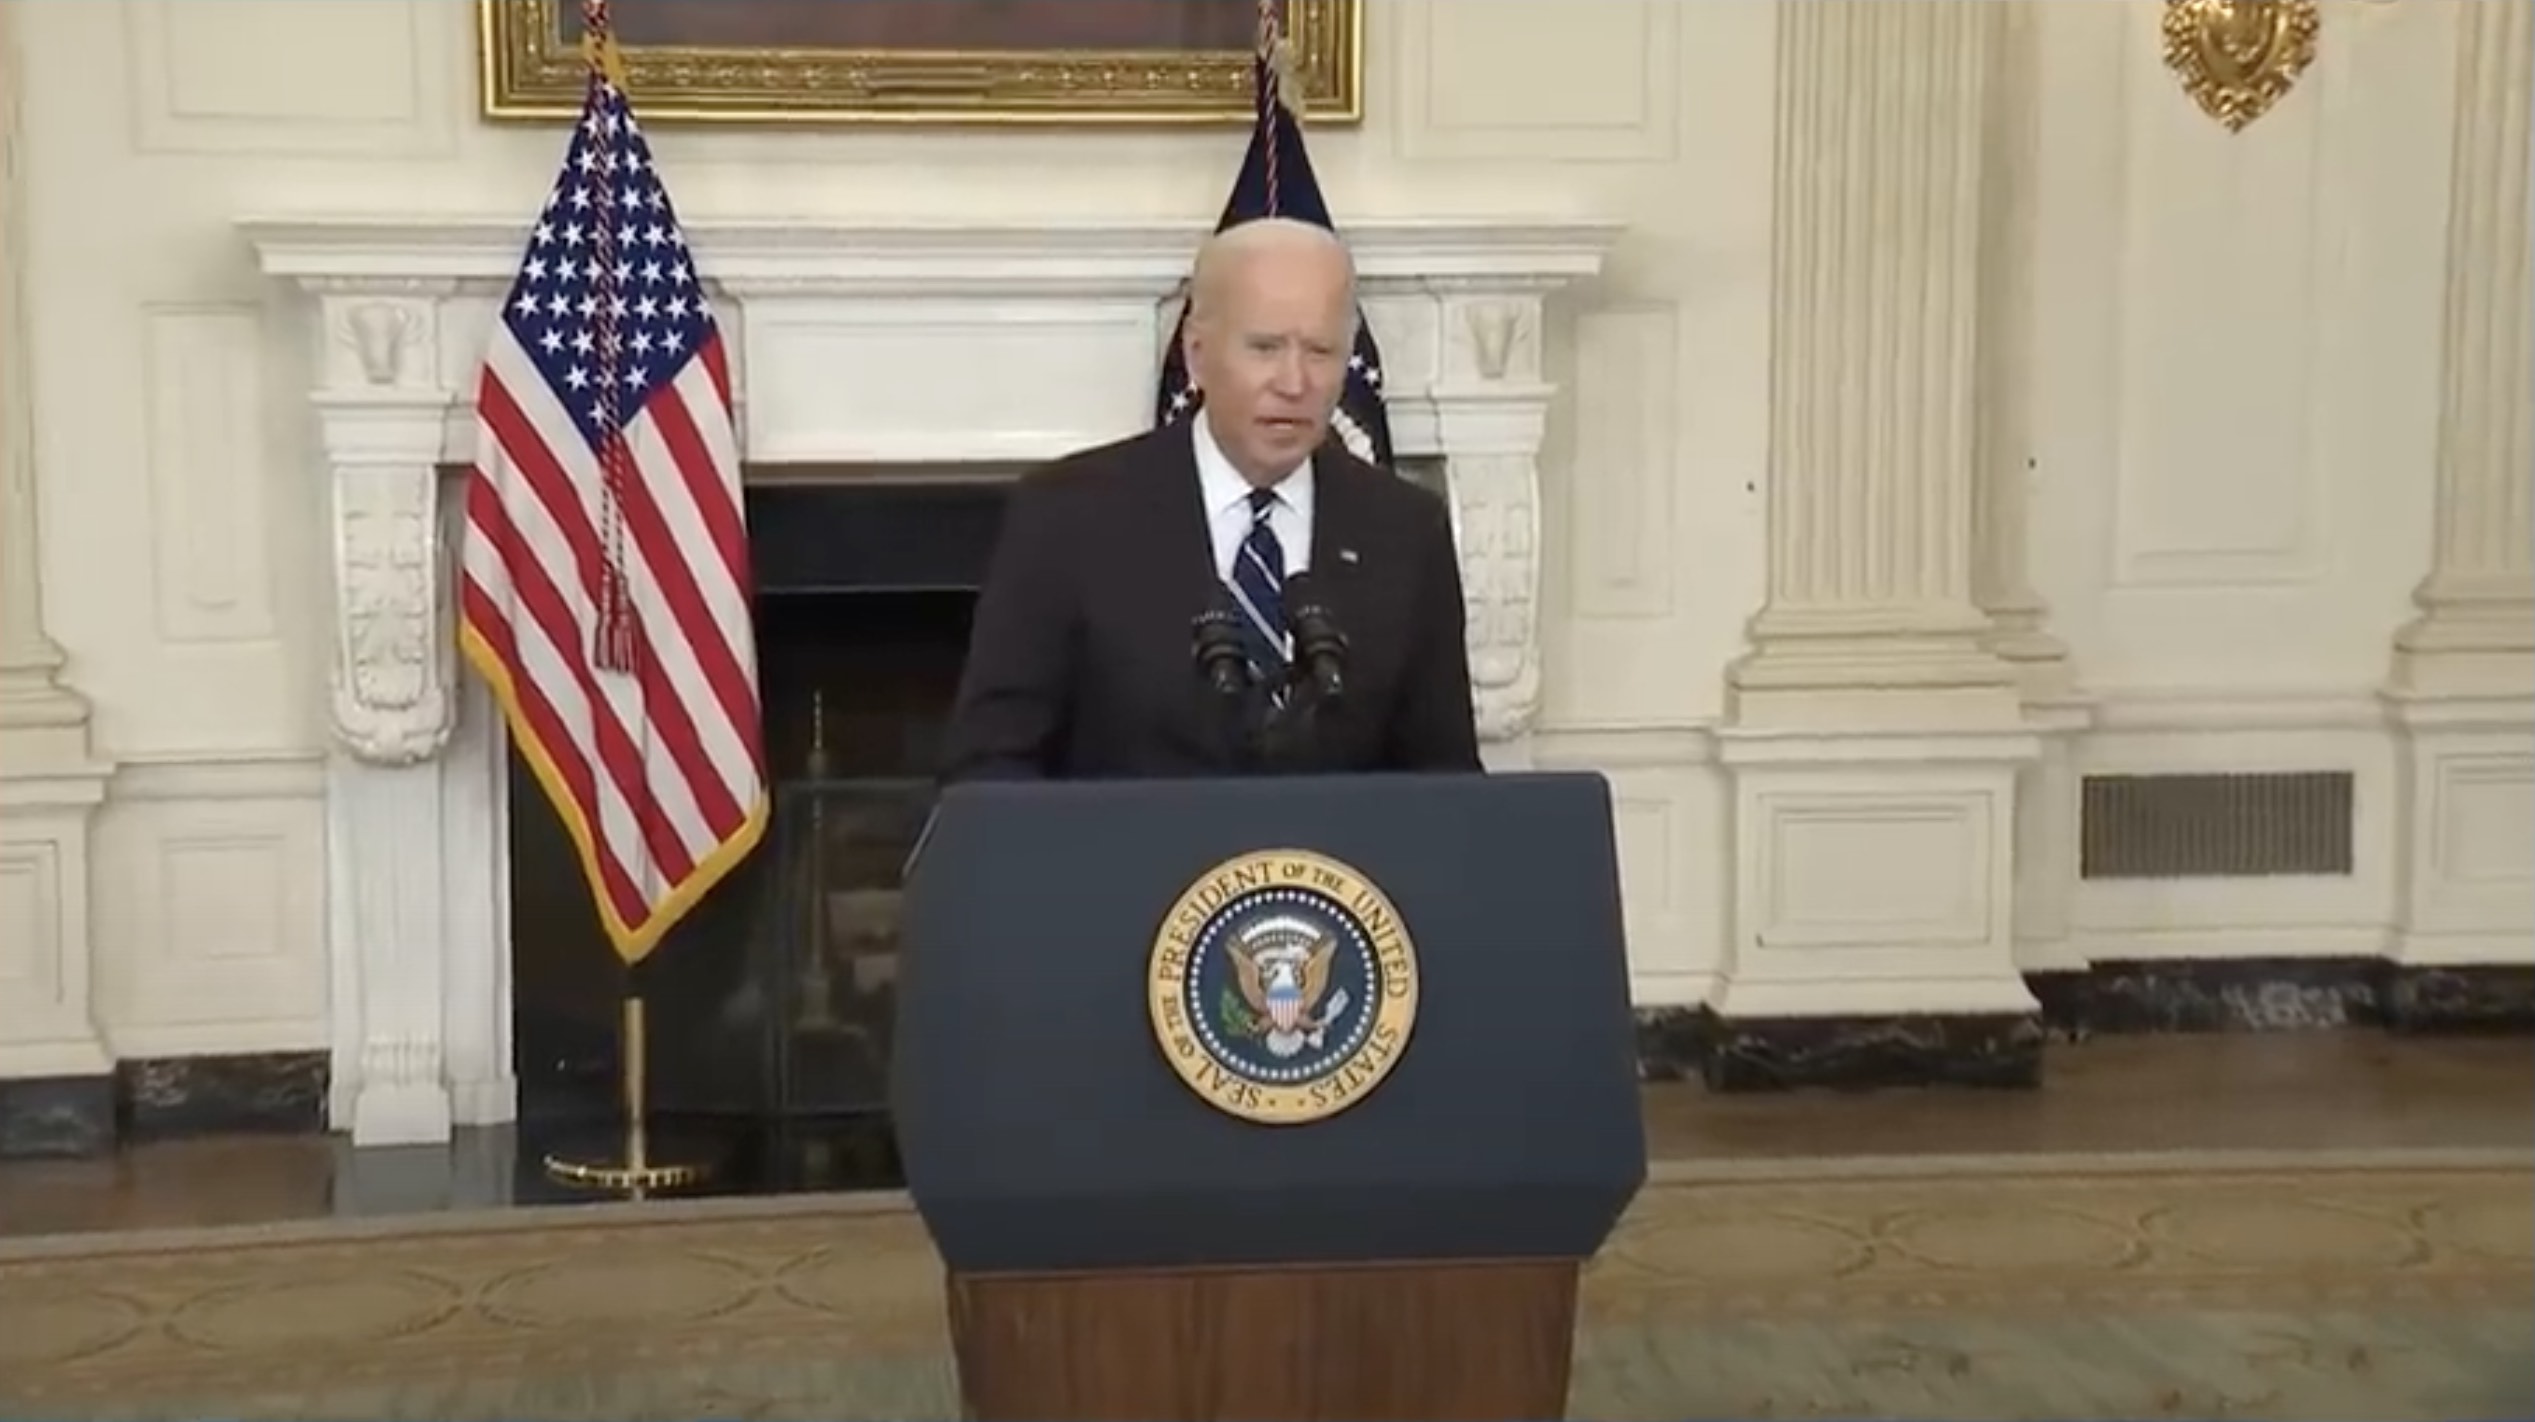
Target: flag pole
(631, 1170)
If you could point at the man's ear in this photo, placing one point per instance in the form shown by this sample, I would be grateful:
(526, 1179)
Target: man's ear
(1191, 341)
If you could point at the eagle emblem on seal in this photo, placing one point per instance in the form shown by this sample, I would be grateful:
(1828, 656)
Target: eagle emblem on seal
(1281, 968)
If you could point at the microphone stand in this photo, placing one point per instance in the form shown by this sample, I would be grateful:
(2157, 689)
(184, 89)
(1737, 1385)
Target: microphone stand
(1285, 738)
(1316, 677)
(1224, 662)
(1273, 728)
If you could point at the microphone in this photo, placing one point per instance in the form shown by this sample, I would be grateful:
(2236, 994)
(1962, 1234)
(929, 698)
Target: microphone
(1320, 649)
(1216, 648)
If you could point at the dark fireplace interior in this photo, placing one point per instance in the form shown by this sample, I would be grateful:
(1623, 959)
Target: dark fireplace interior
(769, 1007)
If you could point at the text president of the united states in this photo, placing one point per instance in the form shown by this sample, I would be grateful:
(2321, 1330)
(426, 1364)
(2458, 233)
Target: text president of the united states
(1079, 662)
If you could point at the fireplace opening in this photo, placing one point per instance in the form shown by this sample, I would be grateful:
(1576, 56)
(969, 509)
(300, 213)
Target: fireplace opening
(770, 1006)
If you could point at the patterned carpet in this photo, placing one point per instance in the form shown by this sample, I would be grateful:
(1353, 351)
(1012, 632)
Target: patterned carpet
(2310, 1287)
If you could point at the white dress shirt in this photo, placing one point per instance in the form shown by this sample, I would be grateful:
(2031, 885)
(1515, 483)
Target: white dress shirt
(1227, 498)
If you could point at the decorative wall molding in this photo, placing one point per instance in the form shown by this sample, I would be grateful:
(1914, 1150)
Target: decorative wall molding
(2237, 58)
(48, 1024)
(897, 344)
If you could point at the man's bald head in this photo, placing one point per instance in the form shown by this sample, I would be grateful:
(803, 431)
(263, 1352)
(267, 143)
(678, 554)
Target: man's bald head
(1285, 246)
(1271, 322)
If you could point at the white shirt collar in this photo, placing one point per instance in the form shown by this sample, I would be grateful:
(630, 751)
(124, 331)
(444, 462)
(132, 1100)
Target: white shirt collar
(1225, 488)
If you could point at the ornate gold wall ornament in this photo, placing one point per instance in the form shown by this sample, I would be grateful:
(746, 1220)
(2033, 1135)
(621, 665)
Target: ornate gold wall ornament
(2237, 57)
(1015, 61)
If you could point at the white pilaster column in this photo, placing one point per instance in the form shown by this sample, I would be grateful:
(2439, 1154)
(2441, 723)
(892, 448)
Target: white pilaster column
(2002, 581)
(1875, 736)
(2476, 631)
(50, 781)
(2462, 686)
(47, 721)
(1874, 354)
(401, 833)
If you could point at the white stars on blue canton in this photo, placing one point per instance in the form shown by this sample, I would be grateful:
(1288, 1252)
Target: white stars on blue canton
(1361, 366)
(607, 264)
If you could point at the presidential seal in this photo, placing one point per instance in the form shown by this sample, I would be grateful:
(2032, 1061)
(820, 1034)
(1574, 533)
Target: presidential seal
(1282, 987)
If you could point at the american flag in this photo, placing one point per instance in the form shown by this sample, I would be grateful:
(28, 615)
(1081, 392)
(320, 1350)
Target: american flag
(605, 588)
(1276, 180)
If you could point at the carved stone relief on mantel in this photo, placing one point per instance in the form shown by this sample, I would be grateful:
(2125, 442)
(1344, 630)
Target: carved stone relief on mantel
(380, 424)
(393, 668)
(1496, 514)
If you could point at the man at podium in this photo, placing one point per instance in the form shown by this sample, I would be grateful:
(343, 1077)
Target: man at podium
(1233, 592)
(1234, 1082)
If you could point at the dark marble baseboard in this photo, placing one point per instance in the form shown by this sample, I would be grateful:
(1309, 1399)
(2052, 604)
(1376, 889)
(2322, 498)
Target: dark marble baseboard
(56, 1116)
(2191, 995)
(247, 1092)
(2212, 995)
(152, 1098)
(1851, 1053)
(1672, 1043)
(2469, 999)
(2283, 995)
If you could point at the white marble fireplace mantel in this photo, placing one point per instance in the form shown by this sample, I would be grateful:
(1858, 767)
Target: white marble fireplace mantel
(874, 345)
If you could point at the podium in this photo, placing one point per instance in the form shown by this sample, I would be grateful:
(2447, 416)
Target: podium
(1280, 1098)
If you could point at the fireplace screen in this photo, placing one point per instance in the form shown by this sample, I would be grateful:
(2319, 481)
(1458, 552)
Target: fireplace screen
(771, 1004)
(831, 940)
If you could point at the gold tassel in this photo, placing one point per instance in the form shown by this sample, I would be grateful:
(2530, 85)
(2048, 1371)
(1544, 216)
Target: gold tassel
(601, 50)
(1286, 65)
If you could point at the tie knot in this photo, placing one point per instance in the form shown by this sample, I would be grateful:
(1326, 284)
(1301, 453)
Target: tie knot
(1261, 500)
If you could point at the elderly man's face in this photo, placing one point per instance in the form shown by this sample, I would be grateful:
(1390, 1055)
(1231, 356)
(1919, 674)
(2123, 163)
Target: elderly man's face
(1268, 347)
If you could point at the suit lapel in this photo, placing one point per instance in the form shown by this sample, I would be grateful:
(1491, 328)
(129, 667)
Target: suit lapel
(1189, 569)
(1180, 580)
(1337, 527)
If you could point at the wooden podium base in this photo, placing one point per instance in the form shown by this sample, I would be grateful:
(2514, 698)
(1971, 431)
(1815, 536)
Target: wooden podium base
(1362, 1343)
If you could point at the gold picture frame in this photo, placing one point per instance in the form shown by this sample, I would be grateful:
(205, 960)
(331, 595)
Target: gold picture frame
(533, 67)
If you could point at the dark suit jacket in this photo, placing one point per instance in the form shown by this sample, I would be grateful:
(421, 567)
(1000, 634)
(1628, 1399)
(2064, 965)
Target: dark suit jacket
(1079, 662)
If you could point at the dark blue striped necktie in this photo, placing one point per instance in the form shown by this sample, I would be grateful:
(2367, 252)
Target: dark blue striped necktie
(1258, 585)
